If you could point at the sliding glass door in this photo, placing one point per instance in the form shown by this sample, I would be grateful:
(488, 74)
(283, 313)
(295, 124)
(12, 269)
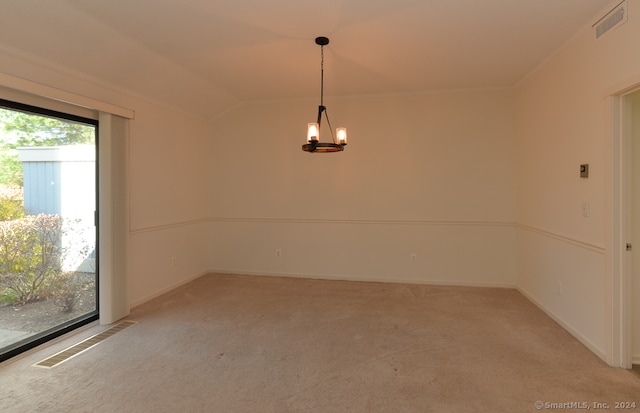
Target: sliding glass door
(48, 233)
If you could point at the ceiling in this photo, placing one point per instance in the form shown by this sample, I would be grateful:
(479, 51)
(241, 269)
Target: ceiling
(204, 56)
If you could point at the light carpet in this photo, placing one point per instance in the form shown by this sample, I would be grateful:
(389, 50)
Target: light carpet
(228, 343)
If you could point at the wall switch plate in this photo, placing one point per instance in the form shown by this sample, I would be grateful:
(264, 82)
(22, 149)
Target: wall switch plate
(584, 170)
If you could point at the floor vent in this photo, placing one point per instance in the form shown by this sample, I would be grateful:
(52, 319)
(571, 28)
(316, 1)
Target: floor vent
(83, 346)
(614, 18)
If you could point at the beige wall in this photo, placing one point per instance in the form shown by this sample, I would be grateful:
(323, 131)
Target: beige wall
(562, 123)
(482, 185)
(424, 174)
(169, 187)
(167, 179)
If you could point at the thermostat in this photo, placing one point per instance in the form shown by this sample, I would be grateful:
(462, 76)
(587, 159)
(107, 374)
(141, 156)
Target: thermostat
(584, 170)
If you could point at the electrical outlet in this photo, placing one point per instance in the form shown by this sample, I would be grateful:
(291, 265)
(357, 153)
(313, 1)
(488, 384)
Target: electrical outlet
(278, 253)
(412, 257)
(173, 261)
(560, 288)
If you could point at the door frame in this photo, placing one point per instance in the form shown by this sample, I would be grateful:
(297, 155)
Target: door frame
(619, 231)
(61, 329)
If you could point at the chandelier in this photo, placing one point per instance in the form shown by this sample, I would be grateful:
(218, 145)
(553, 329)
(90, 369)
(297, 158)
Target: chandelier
(313, 129)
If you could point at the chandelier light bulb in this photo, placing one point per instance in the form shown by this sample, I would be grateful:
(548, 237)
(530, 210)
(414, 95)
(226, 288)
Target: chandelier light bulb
(341, 134)
(313, 131)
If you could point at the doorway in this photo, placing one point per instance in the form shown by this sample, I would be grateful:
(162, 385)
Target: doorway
(632, 125)
(48, 232)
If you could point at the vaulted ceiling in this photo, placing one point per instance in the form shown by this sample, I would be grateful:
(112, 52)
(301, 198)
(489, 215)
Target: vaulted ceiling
(204, 56)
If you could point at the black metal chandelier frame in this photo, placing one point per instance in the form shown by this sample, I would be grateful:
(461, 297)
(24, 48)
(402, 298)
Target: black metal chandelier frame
(313, 131)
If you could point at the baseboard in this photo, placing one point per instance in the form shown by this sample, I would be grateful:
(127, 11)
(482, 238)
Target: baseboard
(343, 277)
(165, 290)
(635, 359)
(575, 333)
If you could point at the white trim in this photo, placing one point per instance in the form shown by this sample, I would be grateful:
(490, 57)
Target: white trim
(348, 277)
(324, 221)
(626, 345)
(49, 92)
(113, 218)
(364, 221)
(618, 259)
(613, 236)
(629, 85)
(168, 226)
(14, 95)
(105, 223)
(574, 332)
(600, 249)
(167, 289)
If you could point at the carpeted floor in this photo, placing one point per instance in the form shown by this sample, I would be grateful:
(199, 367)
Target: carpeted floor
(226, 343)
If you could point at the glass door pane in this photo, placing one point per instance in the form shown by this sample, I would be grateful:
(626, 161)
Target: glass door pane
(48, 261)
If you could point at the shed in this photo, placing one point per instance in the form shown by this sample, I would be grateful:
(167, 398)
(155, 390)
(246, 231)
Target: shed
(62, 180)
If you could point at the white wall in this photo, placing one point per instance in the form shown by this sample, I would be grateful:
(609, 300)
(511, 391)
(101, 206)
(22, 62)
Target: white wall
(424, 174)
(167, 179)
(169, 186)
(437, 175)
(562, 123)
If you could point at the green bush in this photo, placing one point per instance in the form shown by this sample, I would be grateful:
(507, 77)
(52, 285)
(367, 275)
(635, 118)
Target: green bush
(11, 202)
(66, 291)
(30, 255)
(11, 209)
(8, 296)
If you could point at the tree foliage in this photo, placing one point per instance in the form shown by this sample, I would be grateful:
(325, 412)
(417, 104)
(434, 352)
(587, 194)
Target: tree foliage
(25, 129)
(37, 130)
(10, 168)
(11, 202)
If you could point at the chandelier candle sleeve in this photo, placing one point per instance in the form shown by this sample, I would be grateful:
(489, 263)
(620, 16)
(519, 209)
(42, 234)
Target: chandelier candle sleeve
(313, 132)
(341, 134)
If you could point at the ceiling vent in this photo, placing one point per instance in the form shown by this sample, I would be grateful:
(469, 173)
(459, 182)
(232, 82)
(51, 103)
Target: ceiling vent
(612, 19)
